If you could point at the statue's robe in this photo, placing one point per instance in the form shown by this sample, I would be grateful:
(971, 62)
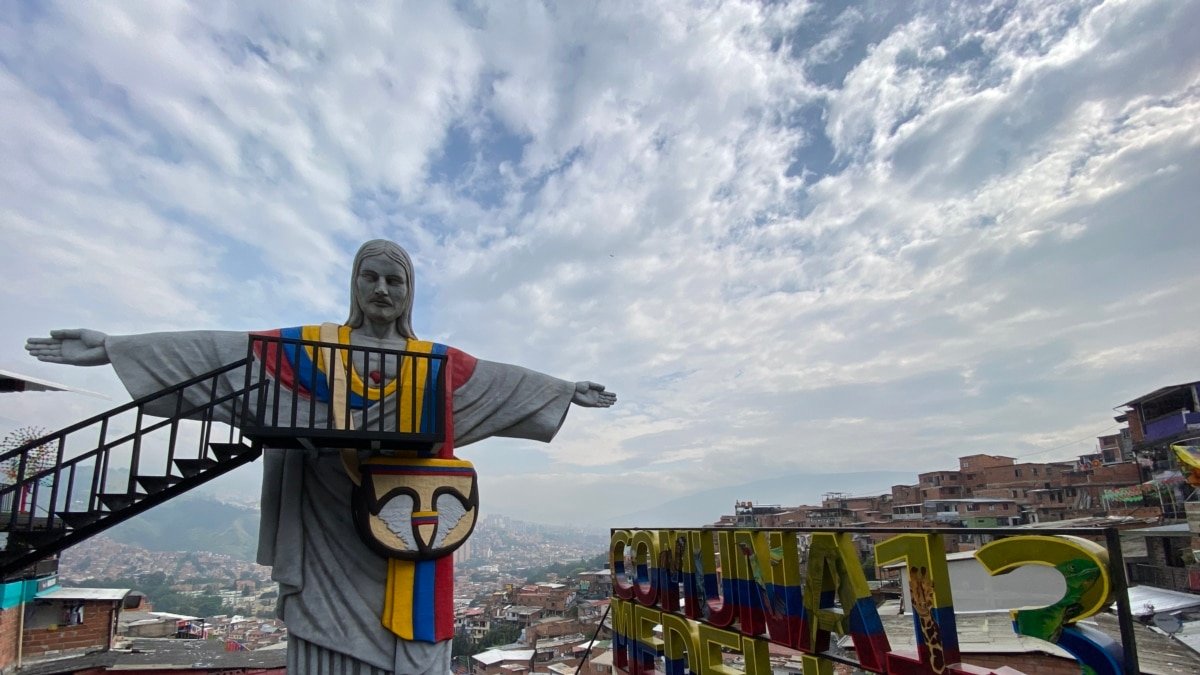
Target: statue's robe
(332, 586)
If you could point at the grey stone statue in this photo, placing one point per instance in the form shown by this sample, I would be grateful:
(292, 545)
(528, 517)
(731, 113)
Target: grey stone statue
(333, 586)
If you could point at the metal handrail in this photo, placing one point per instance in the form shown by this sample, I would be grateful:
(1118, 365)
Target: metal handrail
(126, 407)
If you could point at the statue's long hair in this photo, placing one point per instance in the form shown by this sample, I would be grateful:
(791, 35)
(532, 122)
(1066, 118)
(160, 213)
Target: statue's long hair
(392, 251)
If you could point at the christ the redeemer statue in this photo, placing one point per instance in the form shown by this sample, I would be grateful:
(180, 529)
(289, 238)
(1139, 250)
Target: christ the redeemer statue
(348, 609)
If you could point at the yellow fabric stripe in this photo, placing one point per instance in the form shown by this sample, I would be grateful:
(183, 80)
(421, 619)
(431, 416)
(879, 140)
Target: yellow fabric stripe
(408, 416)
(397, 609)
(387, 460)
(315, 355)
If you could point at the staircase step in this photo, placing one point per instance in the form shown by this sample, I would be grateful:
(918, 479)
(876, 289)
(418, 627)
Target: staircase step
(115, 501)
(155, 484)
(33, 539)
(192, 467)
(78, 519)
(227, 451)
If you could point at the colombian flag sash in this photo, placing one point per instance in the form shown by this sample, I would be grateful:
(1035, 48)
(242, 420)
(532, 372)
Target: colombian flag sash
(418, 602)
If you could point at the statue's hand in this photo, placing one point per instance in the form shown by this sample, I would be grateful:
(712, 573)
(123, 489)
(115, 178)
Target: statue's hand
(72, 346)
(592, 395)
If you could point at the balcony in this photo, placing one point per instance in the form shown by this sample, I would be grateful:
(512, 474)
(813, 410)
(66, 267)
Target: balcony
(394, 399)
(1170, 425)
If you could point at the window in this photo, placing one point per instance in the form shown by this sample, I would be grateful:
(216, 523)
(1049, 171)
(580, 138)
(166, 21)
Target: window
(1172, 553)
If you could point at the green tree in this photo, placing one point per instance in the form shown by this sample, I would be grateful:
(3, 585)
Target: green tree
(502, 633)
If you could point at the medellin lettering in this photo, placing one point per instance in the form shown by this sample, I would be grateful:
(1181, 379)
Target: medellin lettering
(712, 593)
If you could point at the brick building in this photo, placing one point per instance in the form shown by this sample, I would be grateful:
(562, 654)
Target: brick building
(553, 599)
(66, 621)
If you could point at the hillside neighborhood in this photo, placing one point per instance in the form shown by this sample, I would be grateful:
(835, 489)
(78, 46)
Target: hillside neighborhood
(509, 622)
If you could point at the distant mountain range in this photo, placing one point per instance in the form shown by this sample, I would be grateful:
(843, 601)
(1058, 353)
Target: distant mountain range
(200, 522)
(193, 522)
(705, 507)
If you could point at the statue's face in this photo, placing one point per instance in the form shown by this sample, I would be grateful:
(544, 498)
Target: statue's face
(381, 288)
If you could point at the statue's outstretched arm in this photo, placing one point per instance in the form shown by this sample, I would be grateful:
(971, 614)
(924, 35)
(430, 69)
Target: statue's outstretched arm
(70, 346)
(592, 395)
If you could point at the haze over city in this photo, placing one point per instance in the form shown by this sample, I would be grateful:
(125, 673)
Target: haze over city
(794, 238)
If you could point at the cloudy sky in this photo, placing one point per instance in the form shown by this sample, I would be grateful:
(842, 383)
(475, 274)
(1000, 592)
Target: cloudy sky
(793, 237)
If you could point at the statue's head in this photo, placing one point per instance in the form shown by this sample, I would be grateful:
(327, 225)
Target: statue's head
(386, 251)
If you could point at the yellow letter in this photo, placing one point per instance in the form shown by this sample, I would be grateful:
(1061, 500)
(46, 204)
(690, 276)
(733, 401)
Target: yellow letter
(622, 588)
(680, 637)
(833, 567)
(1083, 564)
(929, 593)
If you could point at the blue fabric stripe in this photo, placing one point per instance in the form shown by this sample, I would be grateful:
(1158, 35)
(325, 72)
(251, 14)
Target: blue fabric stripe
(423, 581)
(432, 402)
(302, 366)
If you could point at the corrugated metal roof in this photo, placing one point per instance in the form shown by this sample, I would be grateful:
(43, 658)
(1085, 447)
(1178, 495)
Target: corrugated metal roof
(1147, 600)
(1172, 530)
(165, 654)
(498, 655)
(85, 594)
(1190, 635)
(10, 381)
(1161, 391)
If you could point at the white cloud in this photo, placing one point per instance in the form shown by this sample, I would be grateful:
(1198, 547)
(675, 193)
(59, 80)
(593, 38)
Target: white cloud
(930, 234)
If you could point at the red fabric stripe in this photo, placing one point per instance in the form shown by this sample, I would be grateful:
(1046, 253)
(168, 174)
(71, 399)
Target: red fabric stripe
(462, 366)
(443, 598)
(274, 356)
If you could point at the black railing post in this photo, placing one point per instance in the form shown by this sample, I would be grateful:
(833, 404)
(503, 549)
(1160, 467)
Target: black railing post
(1120, 586)
(348, 361)
(174, 433)
(295, 387)
(33, 500)
(214, 401)
(260, 411)
(277, 378)
(414, 424)
(97, 481)
(312, 388)
(58, 458)
(136, 456)
(70, 487)
(381, 411)
(19, 493)
(103, 475)
(246, 382)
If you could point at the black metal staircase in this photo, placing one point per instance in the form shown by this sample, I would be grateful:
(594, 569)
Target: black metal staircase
(81, 480)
